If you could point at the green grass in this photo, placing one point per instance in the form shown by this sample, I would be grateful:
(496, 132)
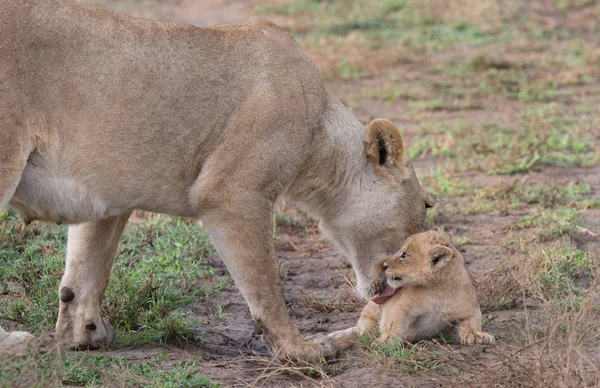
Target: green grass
(441, 181)
(412, 23)
(49, 367)
(407, 358)
(551, 224)
(548, 195)
(347, 70)
(155, 276)
(547, 135)
(564, 272)
(515, 196)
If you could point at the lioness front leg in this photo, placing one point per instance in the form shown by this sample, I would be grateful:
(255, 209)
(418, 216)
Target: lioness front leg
(91, 249)
(469, 332)
(244, 242)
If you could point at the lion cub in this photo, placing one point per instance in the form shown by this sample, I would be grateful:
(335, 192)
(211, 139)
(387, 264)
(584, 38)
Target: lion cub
(429, 292)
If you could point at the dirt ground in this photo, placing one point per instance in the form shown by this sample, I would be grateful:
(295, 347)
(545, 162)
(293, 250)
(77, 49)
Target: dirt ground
(318, 280)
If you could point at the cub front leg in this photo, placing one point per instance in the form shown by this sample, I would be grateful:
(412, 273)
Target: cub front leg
(244, 242)
(394, 324)
(367, 324)
(470, 332)
(91, 249)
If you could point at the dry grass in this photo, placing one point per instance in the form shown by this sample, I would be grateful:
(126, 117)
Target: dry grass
(321, 303)
(488, 14)
(550, 273)
(560, 350)
(267, 371)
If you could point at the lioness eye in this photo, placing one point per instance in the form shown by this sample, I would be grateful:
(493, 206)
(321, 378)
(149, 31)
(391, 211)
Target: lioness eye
(403, 255)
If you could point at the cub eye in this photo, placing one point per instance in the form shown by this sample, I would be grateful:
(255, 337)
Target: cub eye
(403, 255)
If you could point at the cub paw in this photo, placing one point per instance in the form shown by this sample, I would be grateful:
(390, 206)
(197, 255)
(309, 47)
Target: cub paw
(471, 338)
(485, 338)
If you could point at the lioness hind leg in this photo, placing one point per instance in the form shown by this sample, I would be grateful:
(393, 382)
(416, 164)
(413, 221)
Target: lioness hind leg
(91, 249)
(469, 332)
(14, 151)
(13, 157)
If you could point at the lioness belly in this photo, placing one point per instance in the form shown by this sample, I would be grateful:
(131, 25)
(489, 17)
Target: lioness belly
(55, 191)
(53, 195)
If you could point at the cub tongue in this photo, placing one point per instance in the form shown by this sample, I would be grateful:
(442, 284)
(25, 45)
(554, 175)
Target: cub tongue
(384, 295)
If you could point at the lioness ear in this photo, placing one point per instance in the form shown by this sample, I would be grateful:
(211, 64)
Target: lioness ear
(440, 255)
(429, 201)
(383, 143)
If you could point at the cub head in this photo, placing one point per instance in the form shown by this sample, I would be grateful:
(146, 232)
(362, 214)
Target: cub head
(386, 205)
(419, 262)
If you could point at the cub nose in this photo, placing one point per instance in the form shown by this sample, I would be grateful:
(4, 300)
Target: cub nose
(385, 266)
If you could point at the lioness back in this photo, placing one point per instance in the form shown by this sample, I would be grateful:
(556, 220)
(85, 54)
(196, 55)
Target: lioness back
(160, 96)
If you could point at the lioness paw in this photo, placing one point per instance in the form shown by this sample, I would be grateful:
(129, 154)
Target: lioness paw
(85, 334)
(316, 349)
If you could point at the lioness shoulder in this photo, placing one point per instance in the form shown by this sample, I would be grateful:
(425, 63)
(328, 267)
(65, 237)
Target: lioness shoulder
(429, 292)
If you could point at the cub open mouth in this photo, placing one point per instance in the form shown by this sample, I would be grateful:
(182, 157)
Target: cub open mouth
(385, 295)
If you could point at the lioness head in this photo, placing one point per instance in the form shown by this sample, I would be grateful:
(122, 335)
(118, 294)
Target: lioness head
(387, 206)
(418, 263)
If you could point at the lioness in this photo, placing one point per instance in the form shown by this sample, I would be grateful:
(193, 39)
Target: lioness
(429, 292)
(101, 114)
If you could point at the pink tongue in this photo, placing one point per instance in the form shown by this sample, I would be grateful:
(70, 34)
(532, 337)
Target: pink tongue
(384, 295)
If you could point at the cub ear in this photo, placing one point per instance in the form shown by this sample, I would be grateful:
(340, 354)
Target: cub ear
(440, 255)
(383, 143)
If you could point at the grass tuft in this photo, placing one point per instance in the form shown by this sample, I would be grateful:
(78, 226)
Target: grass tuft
(156, 273)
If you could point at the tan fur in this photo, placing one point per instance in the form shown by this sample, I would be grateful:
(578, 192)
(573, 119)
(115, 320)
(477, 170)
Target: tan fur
(435, 297)
(383, 131)
(101, 114)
